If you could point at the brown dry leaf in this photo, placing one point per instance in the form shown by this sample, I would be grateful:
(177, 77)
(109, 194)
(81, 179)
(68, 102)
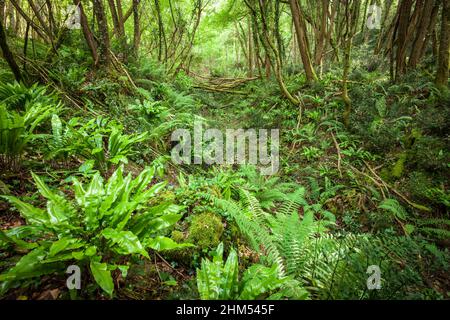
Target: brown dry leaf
(49, 295)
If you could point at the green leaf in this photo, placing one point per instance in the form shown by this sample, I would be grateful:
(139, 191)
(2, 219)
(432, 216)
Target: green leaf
(65, 244)
(164, 243)
(409, 229)
(18, 242)
(126, 242)
(32, 214)
(102, 276)
(30, 266)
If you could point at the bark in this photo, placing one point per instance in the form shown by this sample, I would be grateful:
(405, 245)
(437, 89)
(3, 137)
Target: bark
(302, 40)
(104, 43)
(87, 32)
(115, 18)
(351, 22)
(51, 18)
(2, 11)
(35, 27)
(137, 28)
(250, 49)
(37, 13)
(7, 54)
(322, 36)
(431, 27)
(402, 37)
(271, 48)
(421, 33)
(162, 33)
(444, 48)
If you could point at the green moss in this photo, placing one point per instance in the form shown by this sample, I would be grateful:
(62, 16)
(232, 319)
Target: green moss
(397, 170)
(178, 236)
(206, 230)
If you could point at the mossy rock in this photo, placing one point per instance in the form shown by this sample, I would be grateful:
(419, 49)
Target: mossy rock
(206, 230)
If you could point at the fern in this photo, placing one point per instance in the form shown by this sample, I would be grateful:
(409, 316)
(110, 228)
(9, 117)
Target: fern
(281, 239)
(19, 97)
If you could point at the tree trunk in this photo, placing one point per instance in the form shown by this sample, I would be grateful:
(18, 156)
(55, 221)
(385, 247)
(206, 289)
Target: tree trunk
(302, 41)
(250, 49)
(162, 33)
(444, 48)
(2, 11)
(402, 34)
(35, 27)
(137, 28)
(102, 22)
(7, 54)
(115, 18)
(87, 32)
(37, 13)
(322, 36)
(351, 22)
(421, 33)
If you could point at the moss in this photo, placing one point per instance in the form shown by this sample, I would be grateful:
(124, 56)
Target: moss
(399, 167)
(206, 230)
(178, 236)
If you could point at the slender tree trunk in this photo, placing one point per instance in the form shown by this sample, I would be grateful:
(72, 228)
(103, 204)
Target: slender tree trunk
(51, 18)
(87, 32)
(250, 48)
(271, 48)
(351, 22)
(402, 37)
(37, 13)
(322, 36)
(431, 27)
(162, 33)
(2, 11)
(38, 30)
(115, 18)
(137, 28)
(444, 48)
(422, 29)
(7, 54)
(102, 22)
(302, 41)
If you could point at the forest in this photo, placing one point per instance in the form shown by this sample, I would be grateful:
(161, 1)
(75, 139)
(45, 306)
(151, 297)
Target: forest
(224, 150)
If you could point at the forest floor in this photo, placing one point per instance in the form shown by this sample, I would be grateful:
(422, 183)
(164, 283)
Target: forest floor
(385, 176)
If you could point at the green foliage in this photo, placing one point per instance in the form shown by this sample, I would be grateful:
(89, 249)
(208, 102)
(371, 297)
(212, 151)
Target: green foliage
(17, 96)
(17, 130)
(219, 280)
(282, 238)
(394, 208)
(105, 223)
(88, 140)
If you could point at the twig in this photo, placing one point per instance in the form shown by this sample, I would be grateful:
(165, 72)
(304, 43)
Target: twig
(124, 70)
(338, 150)
(390, 187)
(169, 265)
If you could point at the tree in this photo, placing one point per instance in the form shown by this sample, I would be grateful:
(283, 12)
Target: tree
(87, 32)
(137, 28)
(404, 11)
(351, 22)
(104, 40)
(7, 54)
(444, 48)
(300, 29)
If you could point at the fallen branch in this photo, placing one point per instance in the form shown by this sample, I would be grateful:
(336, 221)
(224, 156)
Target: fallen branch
(338, 150)
(404, 198)
(219, 90)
